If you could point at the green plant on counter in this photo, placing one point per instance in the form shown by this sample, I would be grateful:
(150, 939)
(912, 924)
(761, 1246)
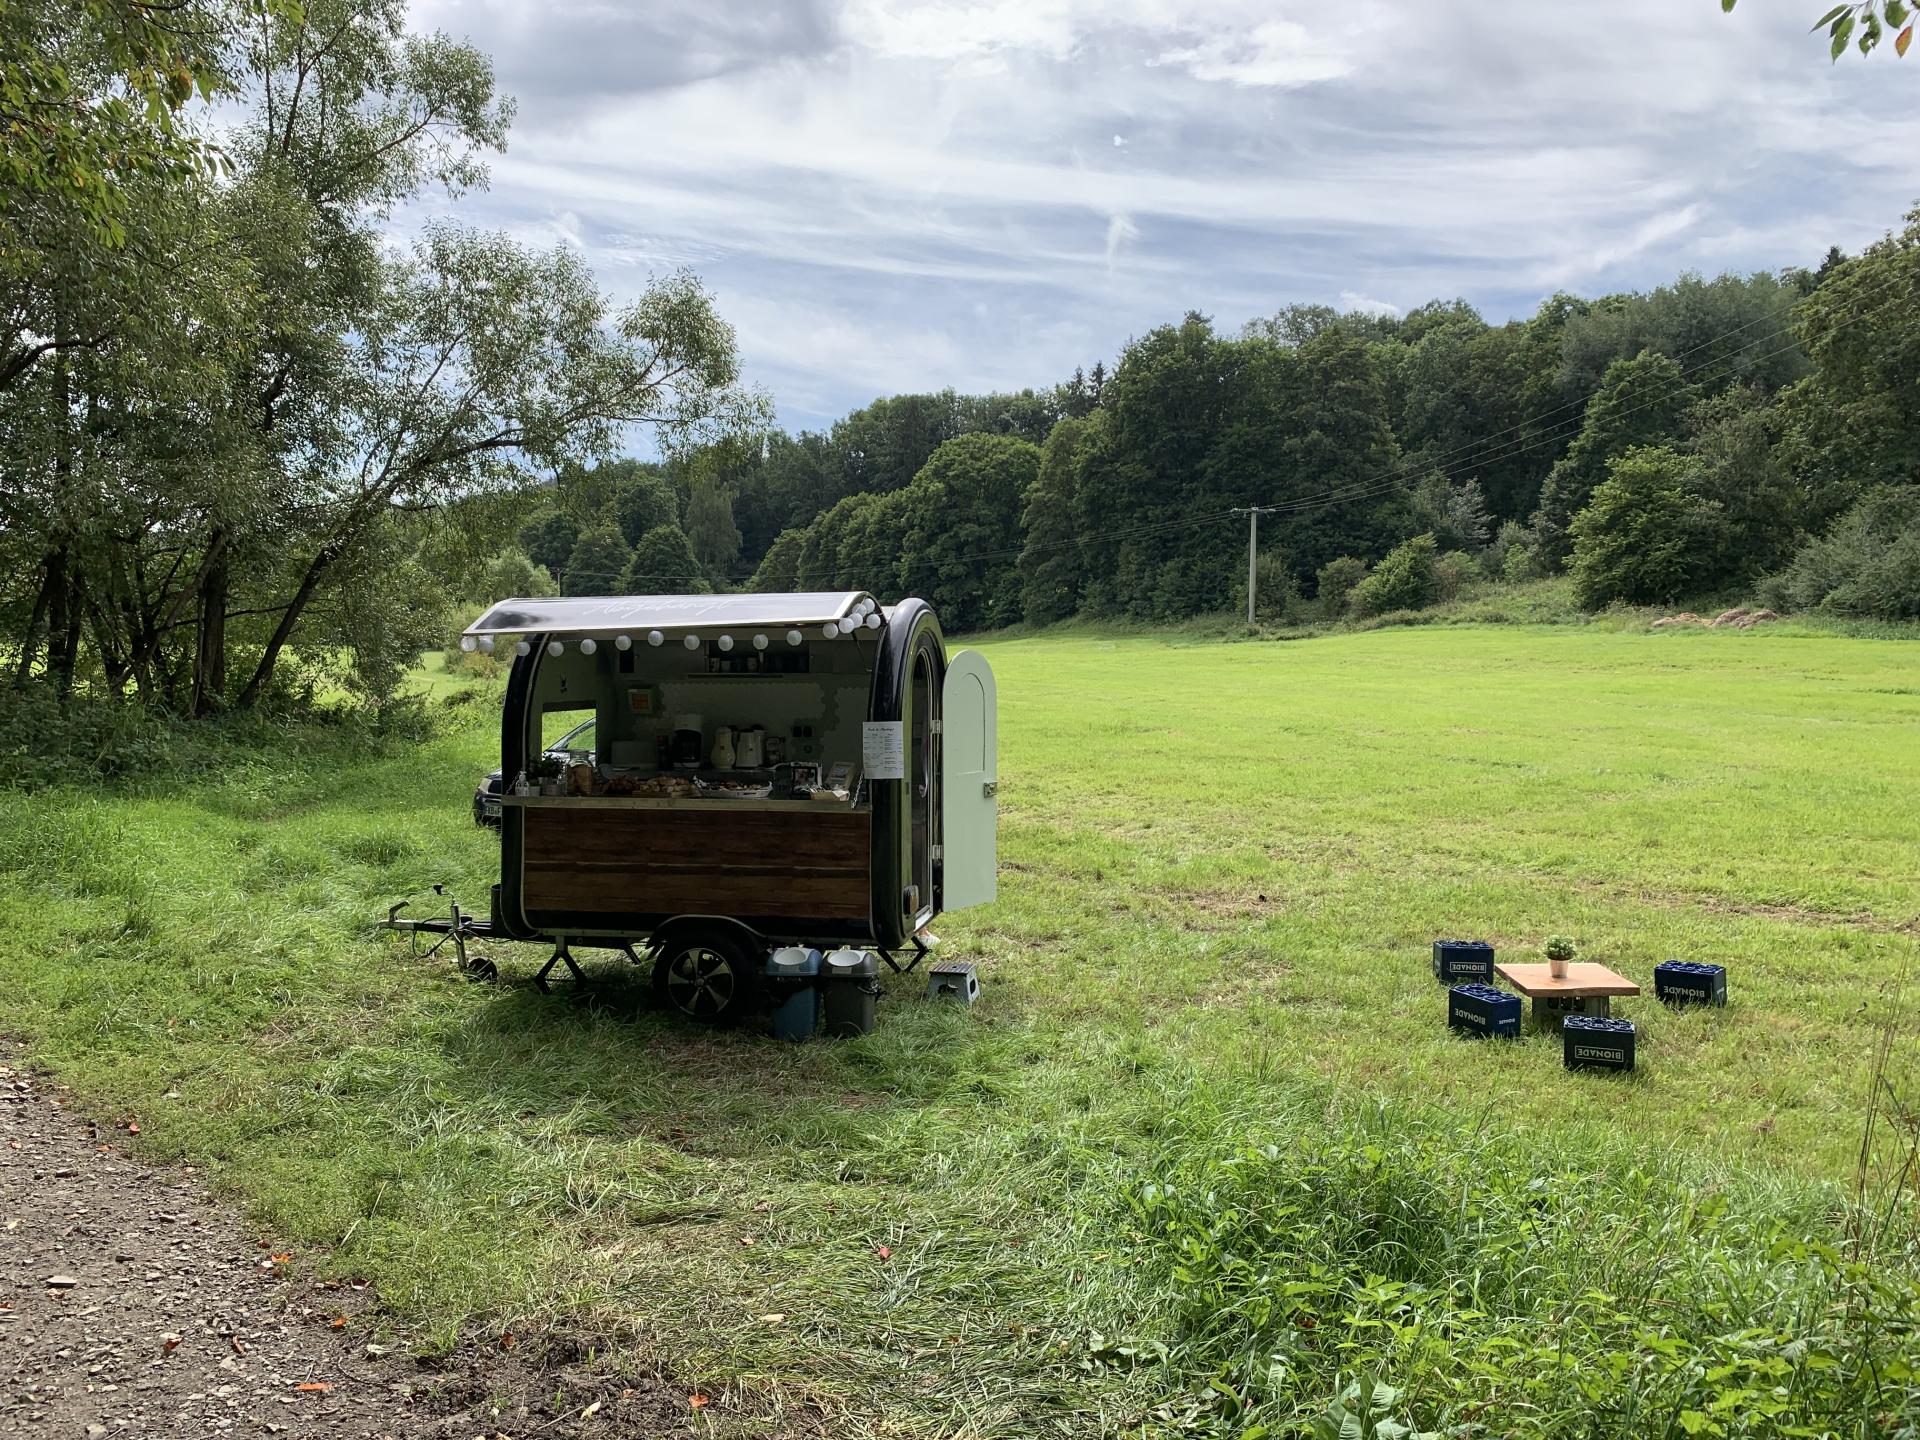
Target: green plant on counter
(1559, 947)
(544, 767)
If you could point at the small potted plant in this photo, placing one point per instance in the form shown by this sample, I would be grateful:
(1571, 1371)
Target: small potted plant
(1559, 952)
(545, 773)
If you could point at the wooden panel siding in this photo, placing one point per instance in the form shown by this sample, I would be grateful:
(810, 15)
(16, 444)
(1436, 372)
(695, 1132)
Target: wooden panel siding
(709, 861)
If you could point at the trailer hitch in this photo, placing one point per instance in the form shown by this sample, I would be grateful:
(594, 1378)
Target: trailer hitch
(458, 927)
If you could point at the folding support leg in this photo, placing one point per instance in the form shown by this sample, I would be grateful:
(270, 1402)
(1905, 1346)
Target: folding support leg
(561, 954)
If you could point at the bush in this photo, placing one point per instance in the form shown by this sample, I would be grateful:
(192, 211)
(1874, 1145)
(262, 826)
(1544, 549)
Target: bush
(1408, 579)
(1276, 594)
(1455, 573)
(1336, 582)
(1867, 565)
(1646, 536)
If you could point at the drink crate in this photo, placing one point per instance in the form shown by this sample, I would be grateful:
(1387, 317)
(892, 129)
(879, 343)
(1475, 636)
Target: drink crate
(1686, 982)
(1483, 1010)
(1597, 1042)
(1457, 960)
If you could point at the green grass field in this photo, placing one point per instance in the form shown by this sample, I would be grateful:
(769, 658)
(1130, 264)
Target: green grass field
(1203, 1153)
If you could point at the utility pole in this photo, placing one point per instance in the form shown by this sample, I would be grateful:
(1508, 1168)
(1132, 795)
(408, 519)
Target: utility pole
(1253, 514)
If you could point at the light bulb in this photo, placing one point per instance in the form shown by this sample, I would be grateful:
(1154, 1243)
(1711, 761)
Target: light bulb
(486, 644)
(759, 642)
(654, 637)
(468, 643)
(873, 622)
(692, 642)
(726, 642)
(521, 647)
(588, 646)
(555, 648)
(829, 630)
(794, 637)
(623, 642)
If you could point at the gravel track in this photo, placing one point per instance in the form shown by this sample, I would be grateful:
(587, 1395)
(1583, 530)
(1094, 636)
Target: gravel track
(131, 1304)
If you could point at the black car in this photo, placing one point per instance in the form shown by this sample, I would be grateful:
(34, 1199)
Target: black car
(574, 747)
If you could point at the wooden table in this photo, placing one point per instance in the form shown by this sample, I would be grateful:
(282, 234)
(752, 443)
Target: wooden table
(1587, 989)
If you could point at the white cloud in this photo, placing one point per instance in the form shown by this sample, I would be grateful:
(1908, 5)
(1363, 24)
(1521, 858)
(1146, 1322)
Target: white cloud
(1354, 300)
(890, 193)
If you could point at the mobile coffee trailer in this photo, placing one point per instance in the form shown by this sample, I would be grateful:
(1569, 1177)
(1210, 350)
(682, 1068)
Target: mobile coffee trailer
(793, 770)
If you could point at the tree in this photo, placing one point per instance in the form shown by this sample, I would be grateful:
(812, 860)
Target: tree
(1639, 402)
(549, 539)
(1868, 564)
(1865, 24)
(511, 574)
(710, 529)
(598, 563)
(1050, 560)
(958, 524)
(779, 570)
(642, 501)
(1406, 579)
(1641, 537)
(1852, 425)
(663, 564)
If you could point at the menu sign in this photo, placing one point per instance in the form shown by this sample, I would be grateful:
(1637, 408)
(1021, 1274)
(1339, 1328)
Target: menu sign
(883, 749)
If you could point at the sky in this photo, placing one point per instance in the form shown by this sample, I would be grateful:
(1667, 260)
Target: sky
(889, 196)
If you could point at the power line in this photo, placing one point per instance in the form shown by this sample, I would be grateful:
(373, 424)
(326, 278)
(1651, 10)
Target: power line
(1481, 451)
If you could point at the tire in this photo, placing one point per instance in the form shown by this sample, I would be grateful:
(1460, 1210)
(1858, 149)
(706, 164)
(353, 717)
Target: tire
(708, 976)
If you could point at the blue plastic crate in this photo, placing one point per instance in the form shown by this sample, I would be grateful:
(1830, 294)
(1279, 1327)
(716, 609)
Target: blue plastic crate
(1457, 960)
(1597, 1042)
(1483, 1010)
(1687, 982)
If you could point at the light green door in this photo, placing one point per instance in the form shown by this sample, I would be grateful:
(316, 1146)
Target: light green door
(969, 778)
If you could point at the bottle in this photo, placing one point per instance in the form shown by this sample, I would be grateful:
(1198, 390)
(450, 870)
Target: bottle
(722, 748)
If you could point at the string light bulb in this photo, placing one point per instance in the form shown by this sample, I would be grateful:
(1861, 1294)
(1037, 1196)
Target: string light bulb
(829, 630)
(555, 648)
(655, 638)
(692, 642)
(469, 644)
(759, 642)
(522, 648)
(588, 646)
(726, 642)
(794, 637)
(873, 621)
(486, 644)
(623, 642)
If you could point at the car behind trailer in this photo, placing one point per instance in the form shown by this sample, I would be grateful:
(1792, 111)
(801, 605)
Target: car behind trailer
(770, 772)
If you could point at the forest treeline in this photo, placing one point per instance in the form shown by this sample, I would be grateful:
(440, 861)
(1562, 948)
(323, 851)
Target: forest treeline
(253, 445)
(1741, 434)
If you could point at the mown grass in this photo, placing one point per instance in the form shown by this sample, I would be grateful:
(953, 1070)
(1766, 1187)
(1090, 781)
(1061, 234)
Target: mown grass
(1203, 1152)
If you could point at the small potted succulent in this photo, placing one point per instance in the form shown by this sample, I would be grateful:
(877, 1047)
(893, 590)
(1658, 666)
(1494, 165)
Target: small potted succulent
(1559, 952)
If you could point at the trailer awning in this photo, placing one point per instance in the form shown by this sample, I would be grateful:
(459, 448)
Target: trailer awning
(605, 614)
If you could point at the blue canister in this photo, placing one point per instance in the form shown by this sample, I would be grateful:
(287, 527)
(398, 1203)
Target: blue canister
(793, 976)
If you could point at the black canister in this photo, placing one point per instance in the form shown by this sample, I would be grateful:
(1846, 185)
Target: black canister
(849, 986)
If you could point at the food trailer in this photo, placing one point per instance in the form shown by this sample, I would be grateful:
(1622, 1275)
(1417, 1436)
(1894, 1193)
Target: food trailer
(767, 771)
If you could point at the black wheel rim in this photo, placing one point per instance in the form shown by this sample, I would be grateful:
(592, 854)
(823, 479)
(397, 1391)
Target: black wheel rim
(700, 982)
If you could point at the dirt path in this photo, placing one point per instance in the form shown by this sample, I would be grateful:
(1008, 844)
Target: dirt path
(132, 1305)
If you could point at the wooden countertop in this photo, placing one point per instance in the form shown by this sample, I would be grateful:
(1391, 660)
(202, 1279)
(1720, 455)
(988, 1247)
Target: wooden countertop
(1584, 978)
(660, 802)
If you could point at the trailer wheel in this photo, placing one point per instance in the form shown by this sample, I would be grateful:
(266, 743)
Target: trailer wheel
(707, 975)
